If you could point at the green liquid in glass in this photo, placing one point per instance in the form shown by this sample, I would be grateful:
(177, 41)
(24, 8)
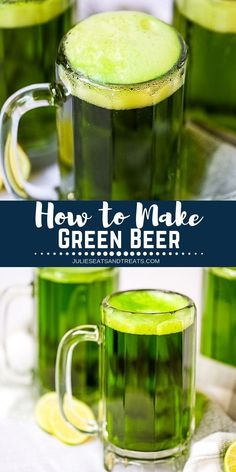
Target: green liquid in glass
(148, 379)
(219, 315)
(122, 122)
(66, 298)
(30, 33)
(209, 29)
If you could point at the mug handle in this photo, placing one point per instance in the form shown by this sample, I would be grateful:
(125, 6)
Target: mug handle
(26, 99)
(7, 297)
(63, 373)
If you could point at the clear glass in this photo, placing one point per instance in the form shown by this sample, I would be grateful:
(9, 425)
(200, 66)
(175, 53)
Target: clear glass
(208, 154)
(64, 298)
(147, 377)
(115, 141)
(35, 29)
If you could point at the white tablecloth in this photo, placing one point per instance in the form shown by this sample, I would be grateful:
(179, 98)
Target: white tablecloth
(25, 448)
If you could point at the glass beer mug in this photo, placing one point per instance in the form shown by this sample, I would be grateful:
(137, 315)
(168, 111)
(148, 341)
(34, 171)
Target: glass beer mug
(30, 33)
(218, 334)
(119, 100)
(209, 28)
(147, 377)
(64, 297)
(208, 155)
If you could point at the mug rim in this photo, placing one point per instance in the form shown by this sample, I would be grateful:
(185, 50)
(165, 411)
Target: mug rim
(214, 15)
(115, 96)
(189, 302)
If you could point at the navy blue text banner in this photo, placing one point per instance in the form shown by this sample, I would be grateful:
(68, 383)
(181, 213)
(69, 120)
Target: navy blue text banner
(126, 234)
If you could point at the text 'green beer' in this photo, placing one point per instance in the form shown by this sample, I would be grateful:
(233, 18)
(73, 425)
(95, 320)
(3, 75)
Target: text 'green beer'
(209, 28)
(67, 297)
(119, 127)
(30, 32)
(148, 371)
(219, 315)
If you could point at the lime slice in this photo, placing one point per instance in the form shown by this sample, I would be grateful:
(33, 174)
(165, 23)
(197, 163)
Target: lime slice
(65, 137)
(1, 182)
(43, 411)
(13, 168)
(170, 326)
(230, 458)
(79, 414)
(62, 430)
(49, 418)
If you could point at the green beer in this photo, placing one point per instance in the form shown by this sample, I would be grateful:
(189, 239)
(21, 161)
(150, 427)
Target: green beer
(219, 315)
(147, 378)
(148, 372)
(30, 32)
(119, 127)
(67, 297)
(209, 28)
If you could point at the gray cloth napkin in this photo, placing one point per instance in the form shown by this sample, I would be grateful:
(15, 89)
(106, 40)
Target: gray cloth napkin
(214, 434)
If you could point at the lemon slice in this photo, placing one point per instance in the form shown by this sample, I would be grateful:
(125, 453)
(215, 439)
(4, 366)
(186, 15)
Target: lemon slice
(43, 411)
(12, 165)
(230, 458)
(49, 418)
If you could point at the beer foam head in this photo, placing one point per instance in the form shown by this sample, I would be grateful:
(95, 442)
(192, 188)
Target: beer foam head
(150, 312)
(121, 51)
(215, 15)
(20, 14)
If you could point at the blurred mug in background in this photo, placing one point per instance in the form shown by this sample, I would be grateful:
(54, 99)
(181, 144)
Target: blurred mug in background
(30, 33)
(63, 298)
(208, 169)
(217, 363)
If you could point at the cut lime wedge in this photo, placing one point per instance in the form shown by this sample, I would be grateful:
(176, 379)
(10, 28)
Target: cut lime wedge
(230, 458)
(16, 166)
(43, 411)
(49, 418)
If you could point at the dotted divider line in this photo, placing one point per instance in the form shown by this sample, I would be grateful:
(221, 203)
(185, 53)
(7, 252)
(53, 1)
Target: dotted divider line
(120, 254)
